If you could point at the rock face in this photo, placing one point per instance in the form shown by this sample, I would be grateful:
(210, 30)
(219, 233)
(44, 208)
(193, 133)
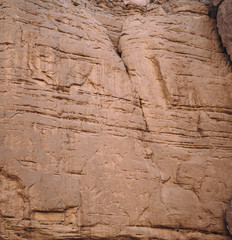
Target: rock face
(229, 217)
(137, 2)
(224, 23)
(115, 121)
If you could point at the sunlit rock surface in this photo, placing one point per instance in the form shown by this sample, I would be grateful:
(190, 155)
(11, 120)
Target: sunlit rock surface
(224, 23)
(115, 121)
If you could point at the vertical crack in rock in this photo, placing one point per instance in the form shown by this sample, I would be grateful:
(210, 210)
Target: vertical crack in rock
(165, 91)
(137, 92)
(141, 106)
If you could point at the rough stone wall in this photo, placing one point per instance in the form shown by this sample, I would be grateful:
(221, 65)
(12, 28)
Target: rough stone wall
(224, 23)
(115, 121)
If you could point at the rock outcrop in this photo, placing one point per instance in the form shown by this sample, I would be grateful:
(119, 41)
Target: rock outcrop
(229, 217)
(115, 121)
(224, 23)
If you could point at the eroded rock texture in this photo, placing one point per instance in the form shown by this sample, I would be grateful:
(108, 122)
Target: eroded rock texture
(115, 121)
(224, 23)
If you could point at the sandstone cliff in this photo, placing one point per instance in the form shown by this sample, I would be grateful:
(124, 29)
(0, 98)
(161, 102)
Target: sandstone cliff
(224, 23)
(115, 121)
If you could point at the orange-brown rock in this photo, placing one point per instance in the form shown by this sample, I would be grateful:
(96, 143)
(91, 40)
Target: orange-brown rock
(224, 23)
(229, 217)
(115, 121)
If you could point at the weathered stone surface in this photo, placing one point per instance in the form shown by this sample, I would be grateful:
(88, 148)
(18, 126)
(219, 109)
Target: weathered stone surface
(224, 23)
(229, 217)
(115, 121)
(137, 2)
(216, 2)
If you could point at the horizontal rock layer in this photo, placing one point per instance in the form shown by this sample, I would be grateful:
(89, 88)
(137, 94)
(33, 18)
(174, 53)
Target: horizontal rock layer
(115, 121)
